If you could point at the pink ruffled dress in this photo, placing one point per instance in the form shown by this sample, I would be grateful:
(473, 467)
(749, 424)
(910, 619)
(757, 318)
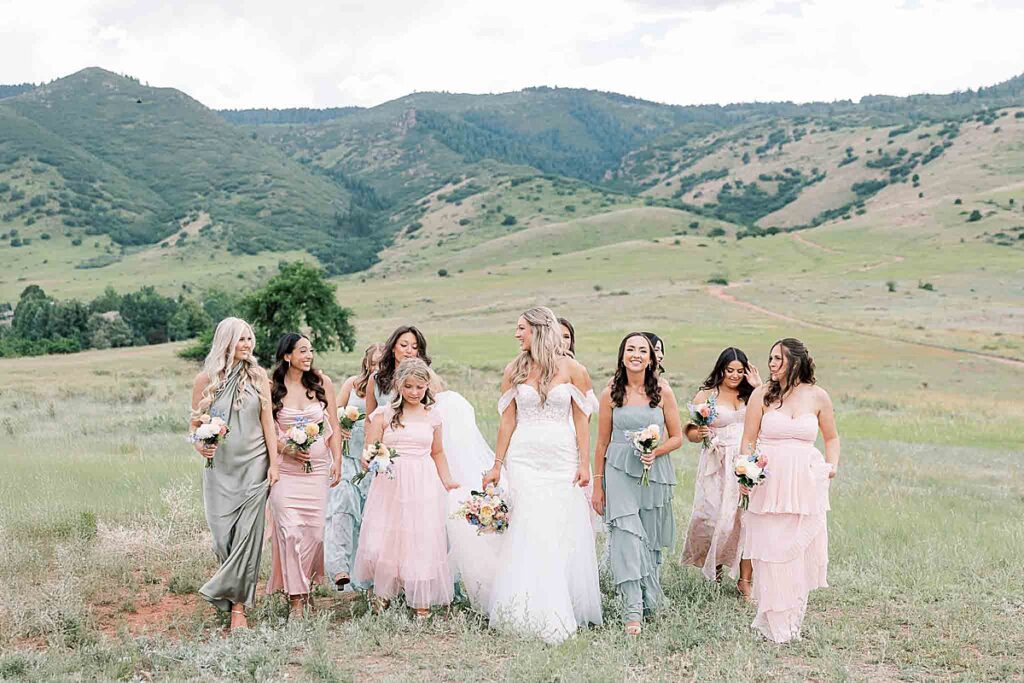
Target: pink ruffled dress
(402, 542)
(784, 530)
(298, 509)
(712, 539)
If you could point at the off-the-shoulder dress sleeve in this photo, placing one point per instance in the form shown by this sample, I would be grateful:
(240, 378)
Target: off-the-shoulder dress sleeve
(582, 400)
(595, 404)
(506, 400)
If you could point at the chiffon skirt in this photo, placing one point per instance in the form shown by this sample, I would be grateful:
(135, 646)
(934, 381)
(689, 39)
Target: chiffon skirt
(402, 544)
(786, 537)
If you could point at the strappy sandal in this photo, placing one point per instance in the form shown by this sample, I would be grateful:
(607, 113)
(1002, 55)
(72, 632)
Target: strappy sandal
(634, 628)
(750, 587)
(241, 613)
(422, 614)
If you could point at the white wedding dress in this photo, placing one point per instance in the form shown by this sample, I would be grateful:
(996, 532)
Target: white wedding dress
(540, 577)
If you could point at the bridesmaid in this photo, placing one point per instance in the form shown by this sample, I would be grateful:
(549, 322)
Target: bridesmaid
(569, 349)
(785, 533)
(233, 386)
(659, 352)
(639, 517)
(405, 342)
(402, 543)
(712, 541)
(301, 395)
(345, 507)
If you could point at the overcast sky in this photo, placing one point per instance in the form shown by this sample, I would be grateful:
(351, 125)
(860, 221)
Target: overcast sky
(363, 52)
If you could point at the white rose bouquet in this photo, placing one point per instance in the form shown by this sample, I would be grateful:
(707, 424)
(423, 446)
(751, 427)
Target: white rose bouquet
(645, 441)
(750, 471)
(381, 460)
(212, 430)
(300, 437)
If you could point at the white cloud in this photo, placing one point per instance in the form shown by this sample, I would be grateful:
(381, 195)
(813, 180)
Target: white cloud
(267, 53)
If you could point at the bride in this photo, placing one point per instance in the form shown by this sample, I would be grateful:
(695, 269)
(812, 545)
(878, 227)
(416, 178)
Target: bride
(544, 582)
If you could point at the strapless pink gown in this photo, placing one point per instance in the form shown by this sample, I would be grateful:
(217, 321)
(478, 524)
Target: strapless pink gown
(298, 508)
(402, 543)
(713, 537)
(784, 530)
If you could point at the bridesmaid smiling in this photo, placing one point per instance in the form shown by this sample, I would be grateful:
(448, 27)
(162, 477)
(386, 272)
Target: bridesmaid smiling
(233, 386)
(639, 517)
(712, 540)
(301, 395)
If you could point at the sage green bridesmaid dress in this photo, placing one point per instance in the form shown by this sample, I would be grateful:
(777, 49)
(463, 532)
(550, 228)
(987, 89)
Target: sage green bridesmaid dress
(639, 518)
(235, 496)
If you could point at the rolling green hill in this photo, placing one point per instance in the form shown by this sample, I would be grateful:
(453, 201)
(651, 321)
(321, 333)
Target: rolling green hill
(134, 163)
(104, 180)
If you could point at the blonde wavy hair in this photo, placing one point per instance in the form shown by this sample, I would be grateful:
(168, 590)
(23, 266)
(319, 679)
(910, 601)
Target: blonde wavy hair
(220, 360)
(417, 369)
(544, 352)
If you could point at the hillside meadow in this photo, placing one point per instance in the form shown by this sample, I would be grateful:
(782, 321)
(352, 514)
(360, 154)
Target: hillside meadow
(104, 541)
(908, 293)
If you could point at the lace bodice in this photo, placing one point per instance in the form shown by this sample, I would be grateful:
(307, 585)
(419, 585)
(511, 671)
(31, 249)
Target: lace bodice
(557, 407)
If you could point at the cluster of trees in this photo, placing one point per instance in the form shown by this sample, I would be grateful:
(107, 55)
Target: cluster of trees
(296, 298)
(41, 324)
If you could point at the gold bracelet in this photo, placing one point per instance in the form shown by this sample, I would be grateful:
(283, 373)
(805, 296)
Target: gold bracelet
(598, 476)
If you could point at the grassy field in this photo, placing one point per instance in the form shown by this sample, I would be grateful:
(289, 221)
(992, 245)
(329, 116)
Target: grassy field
(915, 316)
(104, 542)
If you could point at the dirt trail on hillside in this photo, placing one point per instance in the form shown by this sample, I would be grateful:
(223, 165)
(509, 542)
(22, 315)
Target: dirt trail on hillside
(719, 292)
(797, 237)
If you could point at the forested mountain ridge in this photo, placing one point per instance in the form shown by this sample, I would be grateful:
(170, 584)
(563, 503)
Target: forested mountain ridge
(134, 162)
(98, 154)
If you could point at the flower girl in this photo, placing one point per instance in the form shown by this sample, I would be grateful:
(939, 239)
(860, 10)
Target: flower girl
(402, 543)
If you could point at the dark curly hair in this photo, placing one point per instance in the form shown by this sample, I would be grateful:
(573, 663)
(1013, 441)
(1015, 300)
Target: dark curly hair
(311, 379)
(717, 375)
(388, 365)
(799, 370)
(652, 387)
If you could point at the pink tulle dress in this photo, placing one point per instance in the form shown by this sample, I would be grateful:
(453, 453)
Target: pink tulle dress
(784, 529)
(712, 539)
(402, 543)
(298, 505)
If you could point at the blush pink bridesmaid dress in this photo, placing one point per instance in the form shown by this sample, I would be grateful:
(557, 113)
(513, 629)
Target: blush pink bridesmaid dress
(784, 530)
(402, 543)
(298, 510)
(712, 539)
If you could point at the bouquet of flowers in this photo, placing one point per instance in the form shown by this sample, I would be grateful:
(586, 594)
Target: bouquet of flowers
(300, 437)
(750, 471)
(703, 414)
(487, 510)
(348, 417)
(211, 431)
(645, 441)
(381, 459)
